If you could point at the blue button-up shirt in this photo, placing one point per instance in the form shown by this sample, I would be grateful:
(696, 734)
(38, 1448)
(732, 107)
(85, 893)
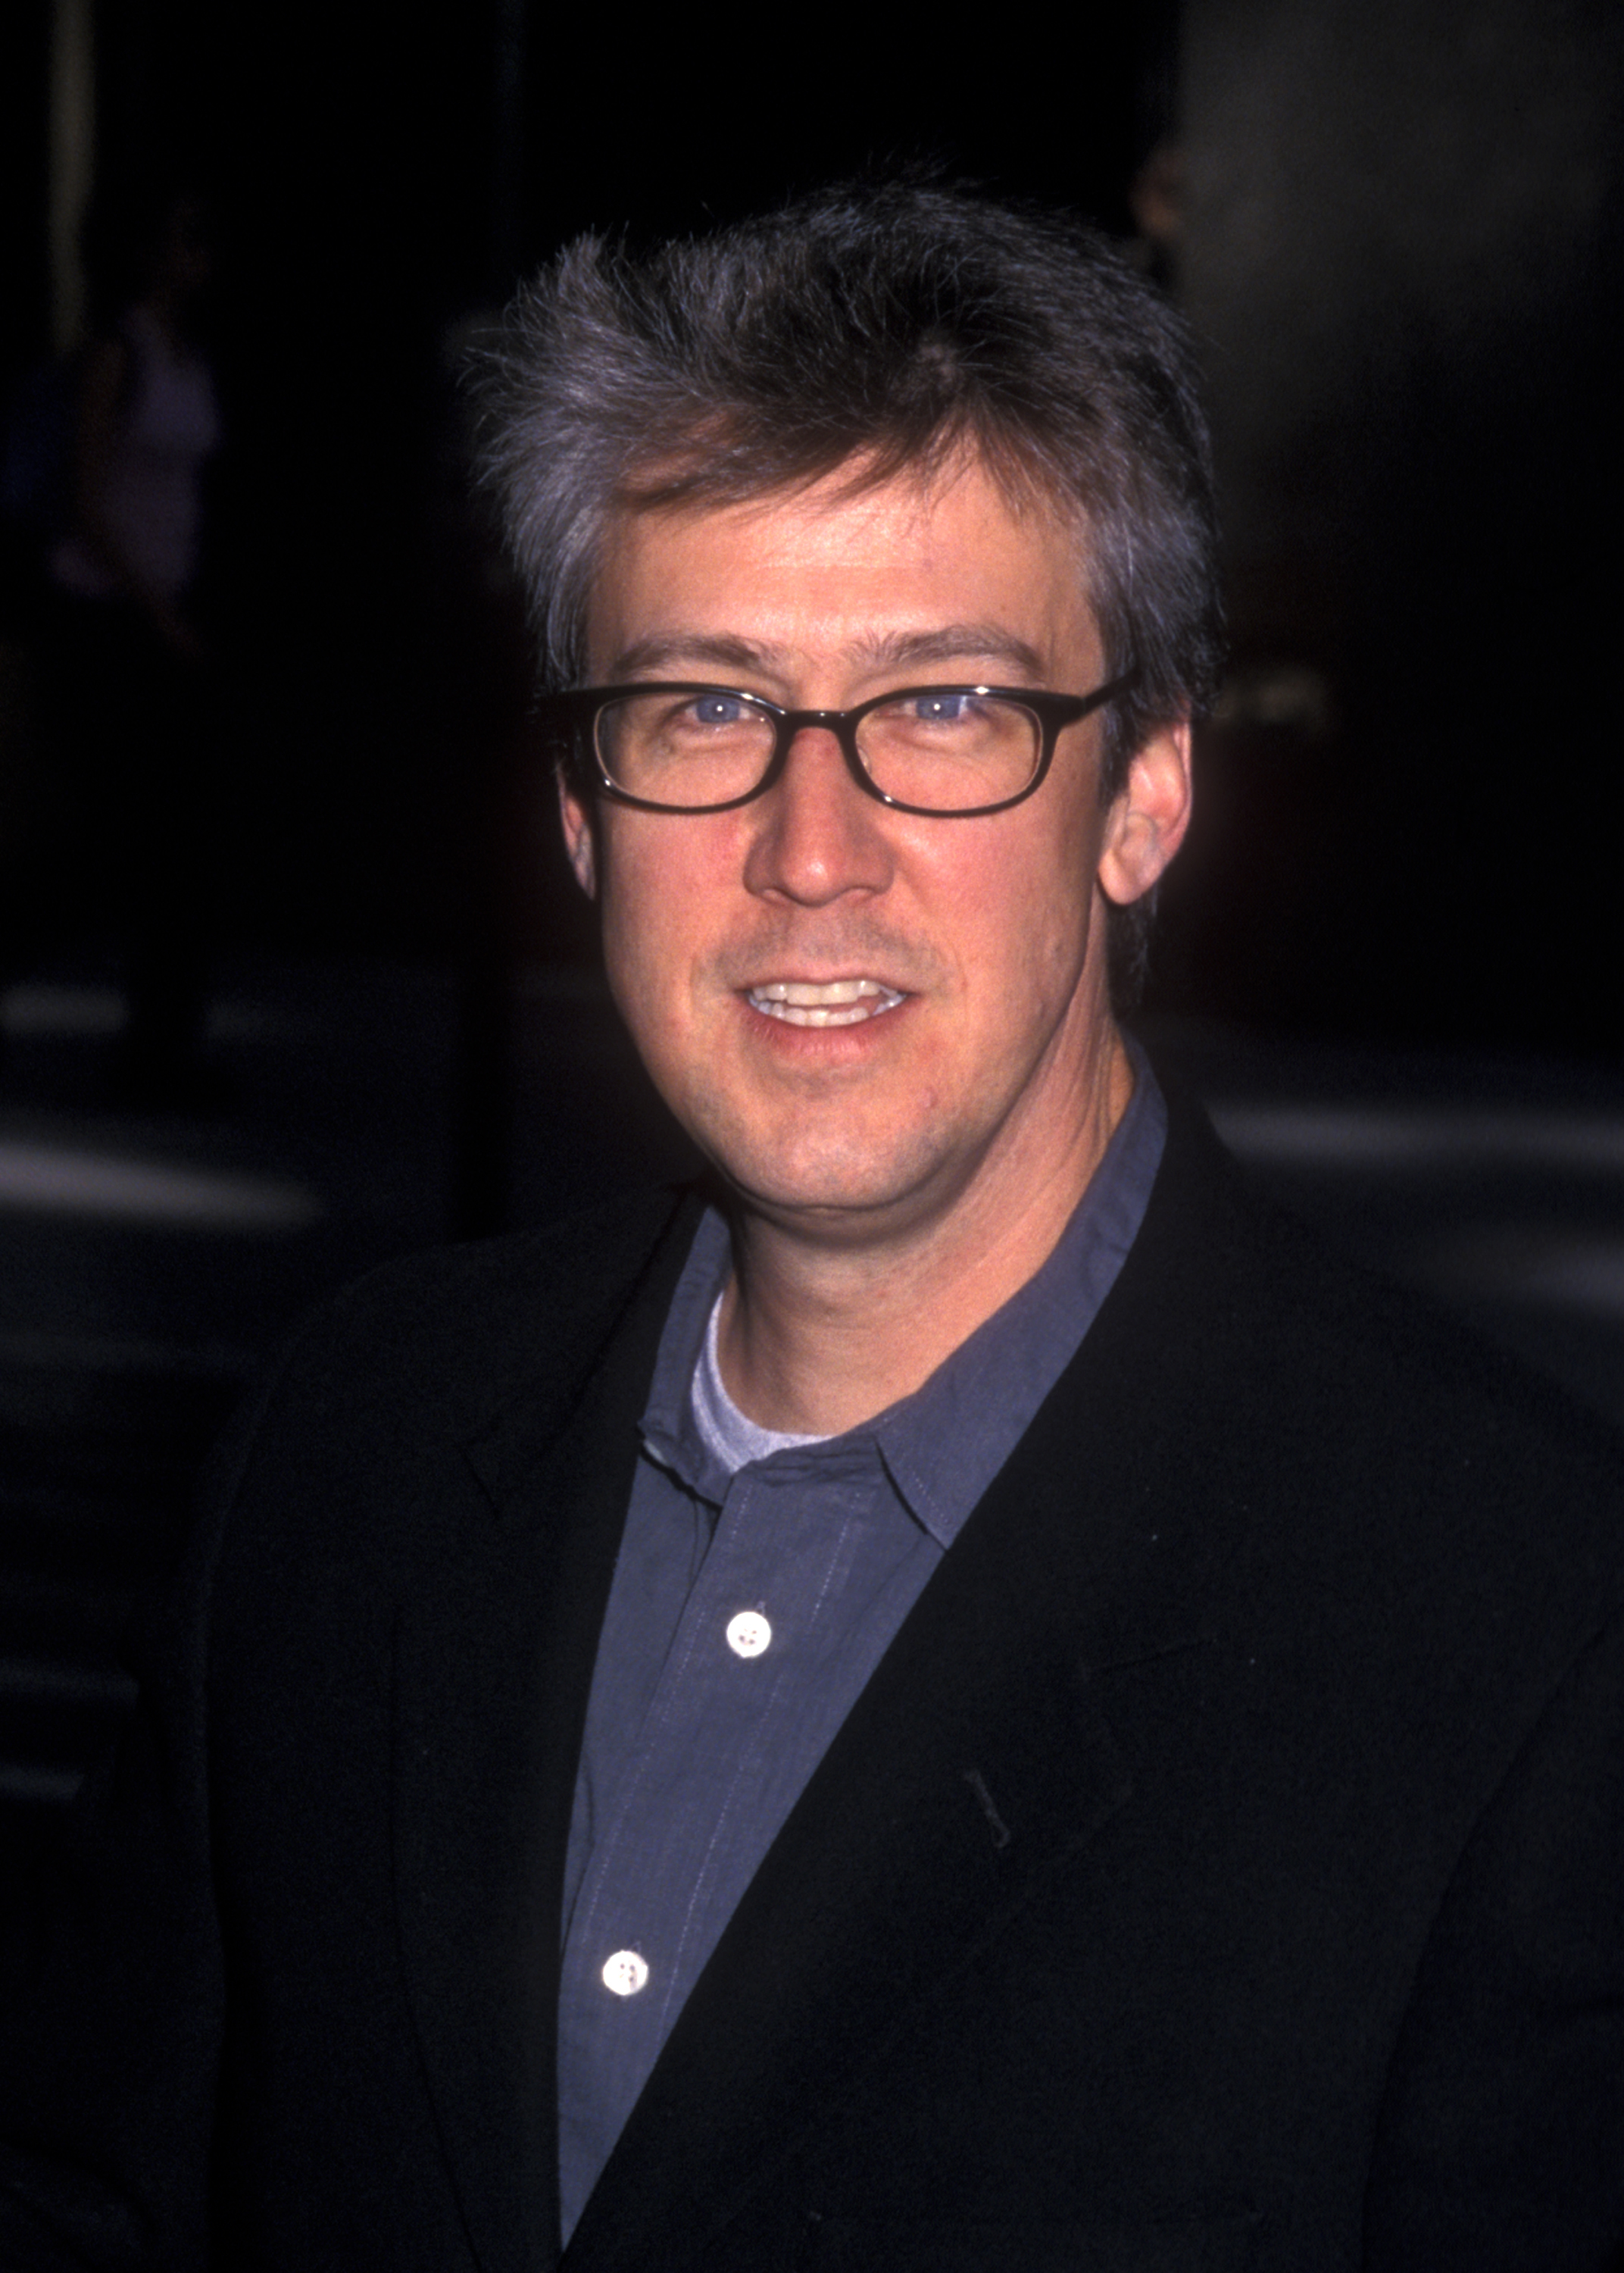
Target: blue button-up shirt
(748, 1609)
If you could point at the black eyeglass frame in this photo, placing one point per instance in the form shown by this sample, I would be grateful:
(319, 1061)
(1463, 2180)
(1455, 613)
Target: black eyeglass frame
(573, 715)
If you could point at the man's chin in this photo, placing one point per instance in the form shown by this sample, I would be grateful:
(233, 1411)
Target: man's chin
(843, 1195)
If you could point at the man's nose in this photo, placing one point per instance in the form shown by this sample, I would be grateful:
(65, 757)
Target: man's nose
(817, 835)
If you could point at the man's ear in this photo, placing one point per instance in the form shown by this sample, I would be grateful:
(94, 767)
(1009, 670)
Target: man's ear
(1147, 823)
(580, 839)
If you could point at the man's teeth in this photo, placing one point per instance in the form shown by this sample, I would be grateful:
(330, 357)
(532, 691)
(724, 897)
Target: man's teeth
(840, 1002)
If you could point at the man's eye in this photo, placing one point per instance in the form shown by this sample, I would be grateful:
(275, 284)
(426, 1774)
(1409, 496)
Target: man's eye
(717, 709)
(942, 709)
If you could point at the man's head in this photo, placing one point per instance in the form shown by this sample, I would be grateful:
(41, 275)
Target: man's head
(876, 328)
(886, 439)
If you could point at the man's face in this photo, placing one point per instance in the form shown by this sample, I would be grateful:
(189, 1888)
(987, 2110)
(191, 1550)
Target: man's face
(963, 960)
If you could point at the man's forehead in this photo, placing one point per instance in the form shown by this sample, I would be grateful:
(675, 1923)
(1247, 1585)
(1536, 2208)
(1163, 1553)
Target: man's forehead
(913, 571)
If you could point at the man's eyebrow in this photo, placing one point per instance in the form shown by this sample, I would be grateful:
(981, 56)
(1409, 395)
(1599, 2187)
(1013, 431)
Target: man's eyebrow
(951, 643)
(685, 652)
(681, 653)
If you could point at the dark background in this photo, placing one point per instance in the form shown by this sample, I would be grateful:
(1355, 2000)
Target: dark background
(1400, 249)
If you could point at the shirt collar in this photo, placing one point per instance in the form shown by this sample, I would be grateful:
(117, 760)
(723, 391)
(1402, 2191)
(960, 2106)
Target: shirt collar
(942, 1445)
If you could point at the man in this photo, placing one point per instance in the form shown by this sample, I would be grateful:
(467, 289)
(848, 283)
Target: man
(967, 1702)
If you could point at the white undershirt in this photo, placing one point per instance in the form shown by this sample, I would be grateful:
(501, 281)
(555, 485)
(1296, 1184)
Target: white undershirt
(727, 1433)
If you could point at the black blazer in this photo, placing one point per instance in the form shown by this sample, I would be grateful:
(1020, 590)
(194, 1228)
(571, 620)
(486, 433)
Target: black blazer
(1222, 1868)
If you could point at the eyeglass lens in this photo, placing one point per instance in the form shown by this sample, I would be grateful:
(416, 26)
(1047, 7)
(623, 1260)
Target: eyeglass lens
(946, 749)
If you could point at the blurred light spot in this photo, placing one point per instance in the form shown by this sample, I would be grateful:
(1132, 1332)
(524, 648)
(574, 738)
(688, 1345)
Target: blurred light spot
(1557, 1269)
(51, 1180)
(1409, 1138)
(37, 1787)
(50, 1009)
(46, 1681)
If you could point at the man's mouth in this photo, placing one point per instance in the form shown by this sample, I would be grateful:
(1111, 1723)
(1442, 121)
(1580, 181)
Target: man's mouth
(838, 1002)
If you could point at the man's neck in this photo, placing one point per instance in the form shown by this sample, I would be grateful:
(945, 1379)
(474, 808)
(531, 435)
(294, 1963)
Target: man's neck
(818, 1333)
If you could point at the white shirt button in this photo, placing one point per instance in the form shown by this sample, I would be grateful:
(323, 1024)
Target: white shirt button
(748, 1634)
(626, 1973)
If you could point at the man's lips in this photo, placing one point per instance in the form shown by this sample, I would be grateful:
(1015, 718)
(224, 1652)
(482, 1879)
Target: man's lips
(831, 1003)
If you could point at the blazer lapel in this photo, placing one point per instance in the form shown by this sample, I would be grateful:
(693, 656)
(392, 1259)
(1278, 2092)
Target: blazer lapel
(978, 1759)
(494, 1657)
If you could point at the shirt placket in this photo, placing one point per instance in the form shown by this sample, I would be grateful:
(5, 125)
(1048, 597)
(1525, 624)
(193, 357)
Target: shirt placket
(776, 1569)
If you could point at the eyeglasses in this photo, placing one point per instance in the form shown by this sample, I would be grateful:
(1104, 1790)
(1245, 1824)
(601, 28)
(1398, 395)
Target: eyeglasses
(683, 746)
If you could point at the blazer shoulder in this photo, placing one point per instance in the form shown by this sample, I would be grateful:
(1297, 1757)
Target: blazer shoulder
(1345, 1441)
(433, 1345)
(1289, 1321)
(554, 1283)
